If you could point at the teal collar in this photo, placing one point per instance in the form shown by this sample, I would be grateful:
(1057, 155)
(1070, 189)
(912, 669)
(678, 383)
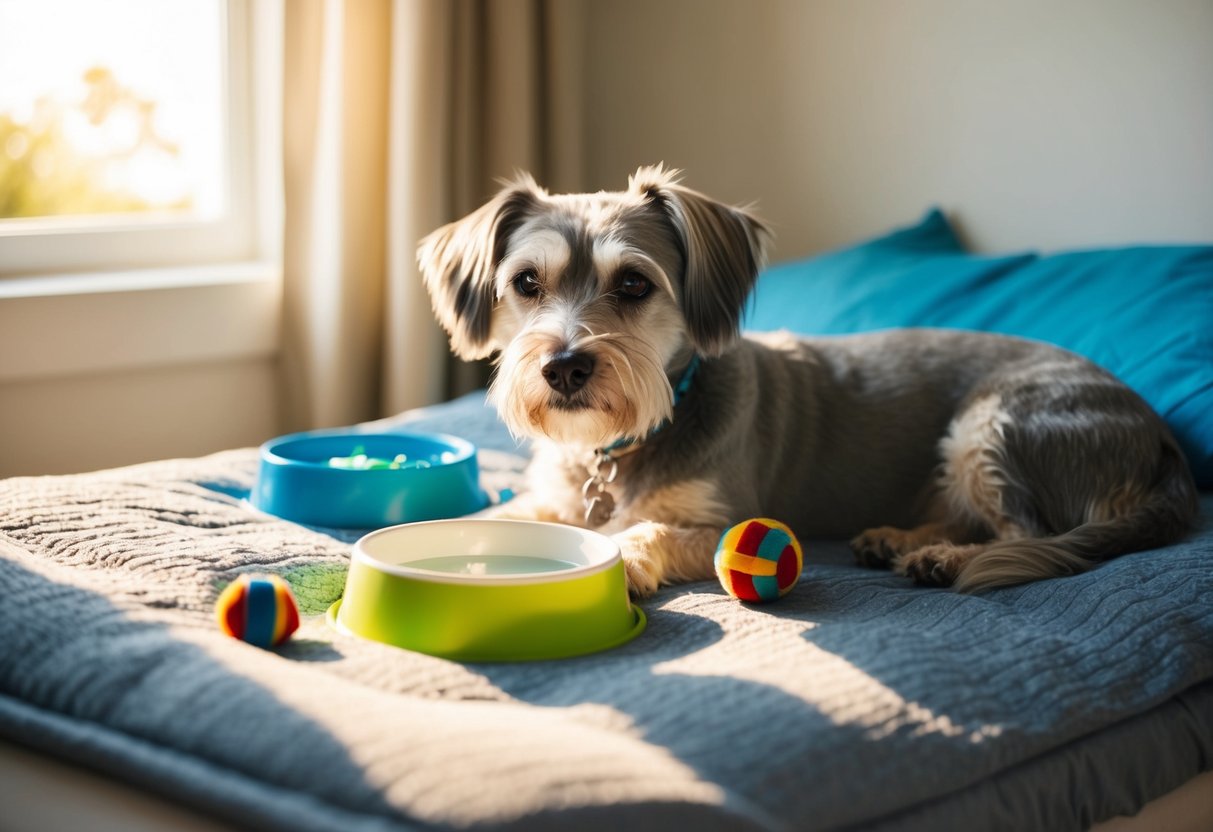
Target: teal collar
(680, 392)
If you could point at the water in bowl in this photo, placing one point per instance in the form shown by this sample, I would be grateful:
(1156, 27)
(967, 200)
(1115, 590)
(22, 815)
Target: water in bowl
(490, 564)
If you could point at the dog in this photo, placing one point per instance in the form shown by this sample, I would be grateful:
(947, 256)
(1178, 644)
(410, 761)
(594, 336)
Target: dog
(958, 459)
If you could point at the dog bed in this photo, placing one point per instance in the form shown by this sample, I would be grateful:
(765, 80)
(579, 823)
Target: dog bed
(856, 701)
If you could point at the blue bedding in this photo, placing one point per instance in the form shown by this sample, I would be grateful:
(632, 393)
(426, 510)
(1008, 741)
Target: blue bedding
(857, 701)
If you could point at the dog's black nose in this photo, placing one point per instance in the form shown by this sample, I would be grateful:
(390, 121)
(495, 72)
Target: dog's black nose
(567, 372)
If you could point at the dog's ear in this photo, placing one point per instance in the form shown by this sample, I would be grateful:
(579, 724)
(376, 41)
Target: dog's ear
(723, 250)
(458, 262)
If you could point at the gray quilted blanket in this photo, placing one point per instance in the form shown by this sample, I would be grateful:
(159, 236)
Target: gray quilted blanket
(857, 701)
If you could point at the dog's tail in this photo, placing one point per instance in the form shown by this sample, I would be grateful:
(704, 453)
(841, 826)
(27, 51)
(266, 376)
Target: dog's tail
(1167, 511)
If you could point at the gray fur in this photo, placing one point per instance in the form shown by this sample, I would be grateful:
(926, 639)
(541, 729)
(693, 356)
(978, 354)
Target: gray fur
(458, 262)
(722, 251)
(837, 435)
(957, 458)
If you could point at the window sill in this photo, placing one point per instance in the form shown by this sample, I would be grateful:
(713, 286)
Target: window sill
(60, 325)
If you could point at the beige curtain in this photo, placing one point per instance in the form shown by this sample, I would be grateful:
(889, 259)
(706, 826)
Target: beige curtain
(399, 117)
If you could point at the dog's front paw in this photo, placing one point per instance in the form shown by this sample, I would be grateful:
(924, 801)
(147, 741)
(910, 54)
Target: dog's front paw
(642, 557)
(643, 575)
(657, 554)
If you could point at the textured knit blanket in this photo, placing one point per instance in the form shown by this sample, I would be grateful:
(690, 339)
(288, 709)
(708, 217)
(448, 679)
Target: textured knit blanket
(858, 700)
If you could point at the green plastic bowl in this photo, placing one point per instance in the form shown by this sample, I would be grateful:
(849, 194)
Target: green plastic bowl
(575, 602)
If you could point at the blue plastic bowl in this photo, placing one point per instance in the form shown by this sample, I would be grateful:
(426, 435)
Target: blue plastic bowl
(297, 480)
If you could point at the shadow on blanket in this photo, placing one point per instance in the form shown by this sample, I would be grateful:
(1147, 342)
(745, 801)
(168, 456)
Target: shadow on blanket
(686, 686)
(858, 677)
(91, 683)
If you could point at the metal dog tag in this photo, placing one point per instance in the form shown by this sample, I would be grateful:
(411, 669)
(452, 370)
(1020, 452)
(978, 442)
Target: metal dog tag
(599, 504)
(599, 509)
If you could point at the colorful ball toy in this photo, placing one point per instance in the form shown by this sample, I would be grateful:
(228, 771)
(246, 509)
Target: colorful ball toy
(258, 609)
(759, 560)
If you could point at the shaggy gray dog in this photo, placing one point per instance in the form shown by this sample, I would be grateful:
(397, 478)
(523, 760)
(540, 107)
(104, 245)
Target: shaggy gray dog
(956, 458)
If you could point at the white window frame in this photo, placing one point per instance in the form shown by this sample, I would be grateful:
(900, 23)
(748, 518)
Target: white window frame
(87, 296)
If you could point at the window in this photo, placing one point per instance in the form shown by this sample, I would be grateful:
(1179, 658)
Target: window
(127, 135)
(140, 187)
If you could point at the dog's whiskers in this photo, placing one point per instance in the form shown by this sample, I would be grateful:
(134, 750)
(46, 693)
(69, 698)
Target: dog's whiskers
(625, 347)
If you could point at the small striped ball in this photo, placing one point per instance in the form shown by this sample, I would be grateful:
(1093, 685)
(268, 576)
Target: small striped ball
(258, 609)
(759, 560)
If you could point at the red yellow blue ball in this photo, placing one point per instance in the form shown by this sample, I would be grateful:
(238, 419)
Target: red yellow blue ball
(759, 560)
(258, 609)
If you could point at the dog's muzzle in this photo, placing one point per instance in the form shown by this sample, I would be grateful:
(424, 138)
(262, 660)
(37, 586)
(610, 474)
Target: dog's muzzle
(567, 372)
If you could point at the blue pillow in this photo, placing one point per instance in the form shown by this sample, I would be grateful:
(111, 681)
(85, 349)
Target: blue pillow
(916, 276)
(1143, 312)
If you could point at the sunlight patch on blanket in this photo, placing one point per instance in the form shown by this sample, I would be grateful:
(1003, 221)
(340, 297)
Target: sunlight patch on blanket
(771, 650)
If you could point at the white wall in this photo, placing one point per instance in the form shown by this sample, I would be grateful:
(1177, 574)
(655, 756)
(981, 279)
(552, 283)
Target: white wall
(103, 370)
(101, 420)
(1038, 123)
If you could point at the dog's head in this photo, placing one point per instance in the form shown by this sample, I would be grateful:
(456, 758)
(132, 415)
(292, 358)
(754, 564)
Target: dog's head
(592, 300)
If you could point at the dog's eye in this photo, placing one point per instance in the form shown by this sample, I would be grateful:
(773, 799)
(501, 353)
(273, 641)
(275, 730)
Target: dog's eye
(635, 285)
(526, 283)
